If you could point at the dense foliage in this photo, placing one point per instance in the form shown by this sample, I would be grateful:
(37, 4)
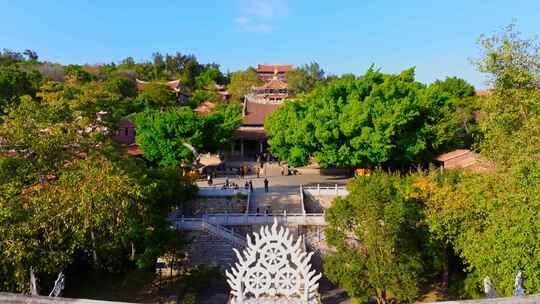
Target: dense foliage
(303, 79)
(488, 217)
(373, 120)
(241, 83)
(378, 236)
(162, 134)
(68, 194)
(492, 218)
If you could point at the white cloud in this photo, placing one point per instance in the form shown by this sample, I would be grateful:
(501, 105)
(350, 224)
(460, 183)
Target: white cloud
(258, 16)
(261, 8)
(245, 24)
(242, 20)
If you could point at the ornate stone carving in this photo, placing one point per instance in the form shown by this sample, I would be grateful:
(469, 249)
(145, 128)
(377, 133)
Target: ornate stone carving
(273, 268)
(490, 291)
(518, 285)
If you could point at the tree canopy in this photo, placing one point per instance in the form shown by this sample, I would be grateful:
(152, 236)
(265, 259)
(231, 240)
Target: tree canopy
(161, 134)
(372, 120)
(491, 219)
(68, 194)
(14, 83)
(378, 239)
(240, 83)
(303, 79)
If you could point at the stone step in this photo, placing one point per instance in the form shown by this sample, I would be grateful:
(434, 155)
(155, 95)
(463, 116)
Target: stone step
(209, 249)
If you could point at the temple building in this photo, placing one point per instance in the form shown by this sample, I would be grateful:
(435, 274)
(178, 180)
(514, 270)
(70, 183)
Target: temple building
(268, 71)
(272, 91)
(250, 138)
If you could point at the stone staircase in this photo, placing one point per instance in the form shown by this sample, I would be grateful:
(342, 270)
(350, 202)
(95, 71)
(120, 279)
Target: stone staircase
(209, 249)
(213, 245)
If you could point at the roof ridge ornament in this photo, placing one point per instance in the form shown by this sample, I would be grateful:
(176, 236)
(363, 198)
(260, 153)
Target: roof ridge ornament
(273, 267)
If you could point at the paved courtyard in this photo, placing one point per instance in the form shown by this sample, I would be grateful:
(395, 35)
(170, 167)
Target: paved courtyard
(283, 191)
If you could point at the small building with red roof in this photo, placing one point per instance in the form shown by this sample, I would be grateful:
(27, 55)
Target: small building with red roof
(463, 159)
(126, 131)
(205, 108)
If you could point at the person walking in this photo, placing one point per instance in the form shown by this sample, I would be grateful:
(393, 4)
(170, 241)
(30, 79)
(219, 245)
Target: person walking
(282, 171)
(258, 172)
(265, 185)
(250, 186)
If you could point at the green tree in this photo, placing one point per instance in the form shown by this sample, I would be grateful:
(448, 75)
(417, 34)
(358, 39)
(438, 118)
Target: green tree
(200, 96)
(241, 83)
(14, 83)
(511, 114)
(303, 79)
(209, 77)
(375, 231)
(161, 134)
(123, 86)
(373, 120)
(155, 97)
(491, 220)
(93, 211)
(78, 73)
(67, 193)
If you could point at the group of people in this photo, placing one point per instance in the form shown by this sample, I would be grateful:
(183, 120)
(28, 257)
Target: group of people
(248, 185)
(267, 210)
(228, 185)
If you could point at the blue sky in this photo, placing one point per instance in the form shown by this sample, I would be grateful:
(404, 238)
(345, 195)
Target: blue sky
(437, 37)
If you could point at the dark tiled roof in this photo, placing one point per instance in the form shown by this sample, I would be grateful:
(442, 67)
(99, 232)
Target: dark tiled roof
(134, 150)
(256, 113)
(465, 159)
(205, 108)
(453, 154)
(271, 68)
(251, 133)
(274, 83)
(125, 123)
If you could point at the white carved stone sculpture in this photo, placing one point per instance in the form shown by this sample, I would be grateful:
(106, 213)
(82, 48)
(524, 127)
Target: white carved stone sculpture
(58, 286)
(490, 291)
(518, 284)
(273, 269)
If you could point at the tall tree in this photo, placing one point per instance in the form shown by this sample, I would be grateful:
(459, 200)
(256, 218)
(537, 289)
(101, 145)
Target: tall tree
(67, 193)
(303, 79)
(511, 114)
(375, 231)
(14, 83)
(491, 219)
(162, 135)
(373, 120)
(241, 83)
